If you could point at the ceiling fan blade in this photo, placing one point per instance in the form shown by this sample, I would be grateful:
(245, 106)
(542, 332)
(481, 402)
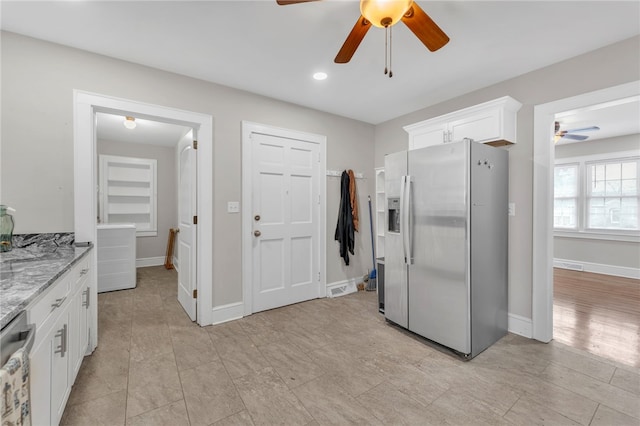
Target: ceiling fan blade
(286, 2)
(584, 129)
(353, 41)
(424, 28)
(575, 137)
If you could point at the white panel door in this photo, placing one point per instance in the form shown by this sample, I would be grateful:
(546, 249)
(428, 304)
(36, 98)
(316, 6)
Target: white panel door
(285, 206)
(187, 235)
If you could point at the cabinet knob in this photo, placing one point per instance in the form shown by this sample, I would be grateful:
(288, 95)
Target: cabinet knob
(257, 233)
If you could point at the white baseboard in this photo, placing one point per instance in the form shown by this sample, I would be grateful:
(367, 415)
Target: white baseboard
(149, 261)
(597, 268)
(520, 325)
(341, 288)
(224, 313)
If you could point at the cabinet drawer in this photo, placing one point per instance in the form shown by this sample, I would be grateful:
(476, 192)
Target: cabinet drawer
(79, 271)
(50, 304)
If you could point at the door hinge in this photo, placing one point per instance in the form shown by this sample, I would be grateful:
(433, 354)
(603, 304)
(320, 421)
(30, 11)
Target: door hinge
(318, 199)
(195, 220)
(318, 276)
(318, 157)
(195, 293)
(195, 144)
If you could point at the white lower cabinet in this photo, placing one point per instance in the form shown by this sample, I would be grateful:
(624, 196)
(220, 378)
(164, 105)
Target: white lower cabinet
(61, 315)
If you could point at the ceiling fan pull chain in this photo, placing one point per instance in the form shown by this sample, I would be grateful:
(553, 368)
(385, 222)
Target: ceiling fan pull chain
(386, 48)
(390, 52)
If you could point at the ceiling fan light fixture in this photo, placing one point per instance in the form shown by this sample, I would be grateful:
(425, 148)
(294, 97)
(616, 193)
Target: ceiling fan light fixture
(384, 13)
(129, 122)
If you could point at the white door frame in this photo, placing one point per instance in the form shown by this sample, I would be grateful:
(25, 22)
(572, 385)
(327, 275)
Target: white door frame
(543, 162)
(247, 215)
(85, 105)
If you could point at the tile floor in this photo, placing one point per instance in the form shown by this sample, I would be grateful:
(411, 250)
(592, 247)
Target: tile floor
(327, 361)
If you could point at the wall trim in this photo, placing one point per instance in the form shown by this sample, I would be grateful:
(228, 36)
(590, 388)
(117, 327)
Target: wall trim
(149, 261)
(520, 325)
(597, 268)
(225, 313)
(342, 288)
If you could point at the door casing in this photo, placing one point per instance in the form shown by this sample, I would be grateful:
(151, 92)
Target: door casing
(86, 104)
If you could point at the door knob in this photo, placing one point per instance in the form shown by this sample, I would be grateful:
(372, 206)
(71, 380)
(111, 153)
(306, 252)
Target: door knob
(257, 217)
(257, 233)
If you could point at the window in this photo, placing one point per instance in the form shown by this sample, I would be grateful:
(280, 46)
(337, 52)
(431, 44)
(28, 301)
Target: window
(612, 194)
(128, 192)
(597, 195)
(565, 203)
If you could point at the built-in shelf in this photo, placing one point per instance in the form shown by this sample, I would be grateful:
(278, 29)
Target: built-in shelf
(380, 211)
(128, 192)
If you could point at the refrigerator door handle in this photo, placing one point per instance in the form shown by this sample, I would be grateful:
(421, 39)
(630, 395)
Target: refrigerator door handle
(407, 232)
(403, 224)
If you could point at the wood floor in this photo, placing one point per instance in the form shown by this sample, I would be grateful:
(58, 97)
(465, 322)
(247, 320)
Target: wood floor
(598, 313)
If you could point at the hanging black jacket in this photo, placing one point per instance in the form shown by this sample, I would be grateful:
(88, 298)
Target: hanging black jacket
(344, 229)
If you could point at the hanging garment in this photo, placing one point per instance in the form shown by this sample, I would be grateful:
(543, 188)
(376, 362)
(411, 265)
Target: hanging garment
(344, 229)
(14, 382)
(353, 196)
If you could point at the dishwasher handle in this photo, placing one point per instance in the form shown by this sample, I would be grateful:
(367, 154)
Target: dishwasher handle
(28, 336)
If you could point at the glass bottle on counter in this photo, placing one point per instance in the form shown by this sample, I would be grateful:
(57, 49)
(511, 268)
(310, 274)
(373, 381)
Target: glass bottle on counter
(6, 229)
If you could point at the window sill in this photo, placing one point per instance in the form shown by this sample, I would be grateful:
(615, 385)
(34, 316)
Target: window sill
(591, 235)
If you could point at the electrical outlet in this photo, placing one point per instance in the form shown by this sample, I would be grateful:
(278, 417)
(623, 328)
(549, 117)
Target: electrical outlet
(233, 207)
(512, 209)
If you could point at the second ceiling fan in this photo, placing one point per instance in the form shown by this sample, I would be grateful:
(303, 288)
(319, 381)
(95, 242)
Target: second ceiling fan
(384, 14)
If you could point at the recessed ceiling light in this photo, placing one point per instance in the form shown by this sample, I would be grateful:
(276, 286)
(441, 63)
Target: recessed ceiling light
(320, 76)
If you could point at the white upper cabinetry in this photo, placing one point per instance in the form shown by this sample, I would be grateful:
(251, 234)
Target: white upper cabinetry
(493, 123)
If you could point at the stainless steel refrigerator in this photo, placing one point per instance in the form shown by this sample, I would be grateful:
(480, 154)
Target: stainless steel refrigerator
(446, 244)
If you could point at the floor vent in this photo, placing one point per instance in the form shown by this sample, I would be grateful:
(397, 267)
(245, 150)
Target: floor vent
(338, 291)
(572, 266)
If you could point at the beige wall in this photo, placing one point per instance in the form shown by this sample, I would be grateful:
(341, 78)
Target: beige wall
(604, 252)
(38, 79)
(606, 67)
(167, 191)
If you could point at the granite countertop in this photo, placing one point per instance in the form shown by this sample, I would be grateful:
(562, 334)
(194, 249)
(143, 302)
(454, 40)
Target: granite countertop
(31, 267)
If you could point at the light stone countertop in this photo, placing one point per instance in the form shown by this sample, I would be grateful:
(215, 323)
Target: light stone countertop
(26, 272)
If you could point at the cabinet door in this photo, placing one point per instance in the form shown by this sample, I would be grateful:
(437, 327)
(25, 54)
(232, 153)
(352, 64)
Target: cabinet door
(40, 382)
(59, 355)
(481, 127)
(78, 329)
(428, 135)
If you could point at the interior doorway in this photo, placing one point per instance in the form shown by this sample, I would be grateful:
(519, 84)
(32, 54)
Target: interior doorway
(147, 179)
(544, 160)
(86, 105)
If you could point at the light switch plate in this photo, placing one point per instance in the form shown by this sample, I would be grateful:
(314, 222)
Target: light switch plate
(512, 209)
(233, 207)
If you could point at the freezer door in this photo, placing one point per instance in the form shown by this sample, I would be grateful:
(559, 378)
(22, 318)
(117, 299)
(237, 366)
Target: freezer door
(438, 279)
(395, 271)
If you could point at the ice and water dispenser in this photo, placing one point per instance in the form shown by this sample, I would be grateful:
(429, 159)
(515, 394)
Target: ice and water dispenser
(393, 207)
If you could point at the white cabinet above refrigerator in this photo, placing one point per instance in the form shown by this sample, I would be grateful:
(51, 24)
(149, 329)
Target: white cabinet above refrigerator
(493, 123)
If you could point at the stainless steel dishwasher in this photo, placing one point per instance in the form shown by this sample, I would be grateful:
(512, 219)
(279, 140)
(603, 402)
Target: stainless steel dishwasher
(17, 334)
(16, 340)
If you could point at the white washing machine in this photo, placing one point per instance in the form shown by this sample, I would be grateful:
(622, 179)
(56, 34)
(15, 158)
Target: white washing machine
(116, 256)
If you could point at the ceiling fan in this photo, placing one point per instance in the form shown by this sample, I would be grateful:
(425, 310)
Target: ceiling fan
(385, 14)
(571, 133)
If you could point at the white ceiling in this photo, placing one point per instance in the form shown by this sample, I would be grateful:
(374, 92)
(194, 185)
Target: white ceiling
(273, 50)
(110, 127)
